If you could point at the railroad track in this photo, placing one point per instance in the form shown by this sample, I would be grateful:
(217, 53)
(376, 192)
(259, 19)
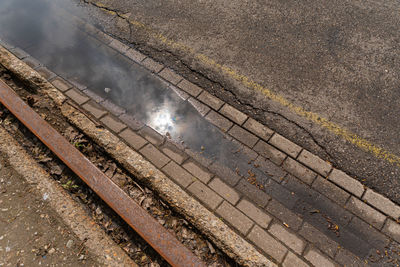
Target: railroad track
(174, 252)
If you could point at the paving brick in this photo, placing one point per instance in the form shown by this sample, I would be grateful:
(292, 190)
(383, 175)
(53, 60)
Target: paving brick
(104, 38)
(289, 238)
(19, 53)
(224, 190)
(287, 217)
(170, 76)
(136, 141)
(61, 85)
(280, 193)
(6, 45)
(330, 190)
(190, 88)
(113, 108)
(382, 203)
(205, 194)
(258, 129)
(77, 96)
(292, 260)
(253, 193)
(318, 259)
(113, 123)
(108, 51)
(346, 182)
(152, 65)
(318, 239)
(90, 29)
(177, 173)
(347, 258)
(235, 217)
(233, 114)
(254, 213)
(267, 243)
(269, 152)
(198, 171)
(31, 62)
(94, 42)
(200, 107)
(75, 82)
(210, 100)
(311, 199)
(243, 136)
(314, 162)
(366, 212)
(269, 168)
(95, 109)
(117, 45)
(154, 155)
(135, 55)
(225, 173)
(219, 120)
(131, 122)
(199, 157)
(151, 135)
(392, 229)
(46, 73)
(300, 171)
(245, 152)
(285, 145)
(174, 152)
(93, 95)
(182, 94)
(367, 233)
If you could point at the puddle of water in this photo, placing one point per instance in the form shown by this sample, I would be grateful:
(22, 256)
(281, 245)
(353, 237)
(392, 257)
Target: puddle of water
(43, 30)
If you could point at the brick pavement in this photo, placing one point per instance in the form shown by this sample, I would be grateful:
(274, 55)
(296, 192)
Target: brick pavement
(305, 213)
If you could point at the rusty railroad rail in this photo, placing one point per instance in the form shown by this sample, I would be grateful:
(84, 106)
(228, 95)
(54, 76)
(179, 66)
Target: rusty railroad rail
(146, 226)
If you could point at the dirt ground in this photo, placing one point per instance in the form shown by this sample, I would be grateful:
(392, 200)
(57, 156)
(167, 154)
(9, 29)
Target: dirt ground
(31, 233)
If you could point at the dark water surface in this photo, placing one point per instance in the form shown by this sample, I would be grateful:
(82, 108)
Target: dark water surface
(42, 28)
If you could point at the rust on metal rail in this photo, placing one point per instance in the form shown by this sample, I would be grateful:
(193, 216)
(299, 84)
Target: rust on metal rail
(146, 226)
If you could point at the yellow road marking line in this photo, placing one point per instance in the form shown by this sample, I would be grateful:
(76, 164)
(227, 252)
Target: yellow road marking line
(334, 128)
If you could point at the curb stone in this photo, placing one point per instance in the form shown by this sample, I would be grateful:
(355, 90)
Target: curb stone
(210, 225)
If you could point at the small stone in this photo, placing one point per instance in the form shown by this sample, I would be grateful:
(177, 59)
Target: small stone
(107, 90)
(210, 247)
(98, 211)
(81, 257)
(70, 243)
(57, 169)
(52, 250)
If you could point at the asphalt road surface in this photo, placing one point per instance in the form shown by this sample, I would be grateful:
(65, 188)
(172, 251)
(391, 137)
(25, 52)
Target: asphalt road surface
(339, 60)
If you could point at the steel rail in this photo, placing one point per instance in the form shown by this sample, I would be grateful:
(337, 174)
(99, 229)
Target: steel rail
(174, 252)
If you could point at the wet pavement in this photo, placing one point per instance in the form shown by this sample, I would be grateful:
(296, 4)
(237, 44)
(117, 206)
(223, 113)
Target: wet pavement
(68, 52)
(45, 32)
(338, 59)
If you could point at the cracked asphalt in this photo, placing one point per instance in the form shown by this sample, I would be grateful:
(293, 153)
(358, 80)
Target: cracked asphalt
(338, 59)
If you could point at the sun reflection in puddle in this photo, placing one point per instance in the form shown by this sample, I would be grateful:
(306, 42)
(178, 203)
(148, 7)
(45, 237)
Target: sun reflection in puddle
(163, 121)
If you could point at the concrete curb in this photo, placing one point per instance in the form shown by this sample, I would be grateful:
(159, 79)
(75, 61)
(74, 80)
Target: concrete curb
(222, 235)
